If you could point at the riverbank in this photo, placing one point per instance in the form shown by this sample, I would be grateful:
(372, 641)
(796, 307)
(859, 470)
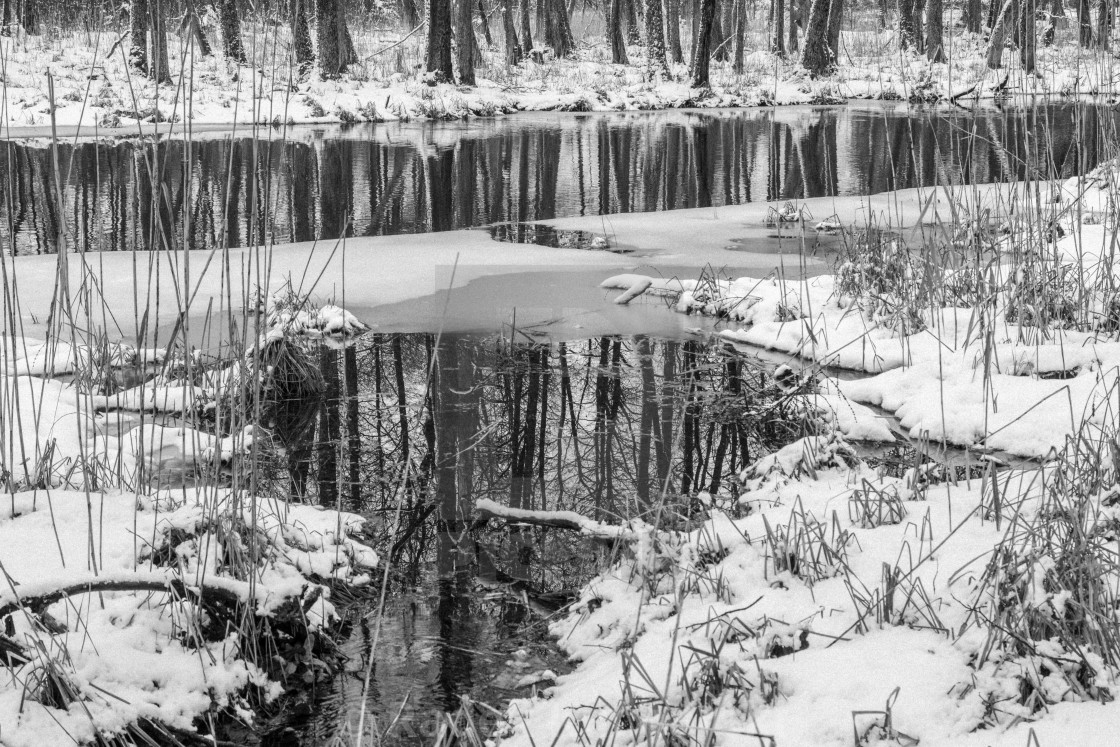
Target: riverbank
(829, 600)
(94, 89)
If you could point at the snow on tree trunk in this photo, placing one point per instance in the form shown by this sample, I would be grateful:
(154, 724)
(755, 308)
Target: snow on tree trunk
(907, 31)
(777, 26)
(655, 39)
(816, 57)
(301, 37)
(935, 49)
(466, 43)
(138, 52)
(673, 30)
(835, 17)
(230, 22)
(999, 36)
(702, 49)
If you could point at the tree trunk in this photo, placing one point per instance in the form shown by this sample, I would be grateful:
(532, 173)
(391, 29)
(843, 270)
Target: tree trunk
(907, 33)
(614, 31)
(465, 41)
(485, 24)
(739, 27)
(655, 40)
(410, 14)
(673, 30)
(439, 40)
(1084, 24)
(1105, 14)
(633, 36)
(1027, 38)
(196, 29)
(720, 35)
(157, 30)
(816, 57)
(935, 45)
(335, 48)
(973, 15)
(509, 31)
(301, 37)
(702, 48)
(999, 36)
(230, 22)
(1057, 12)
(557, 28)
(835, 18)
(138, 52)
(526, 29)
(777, 26)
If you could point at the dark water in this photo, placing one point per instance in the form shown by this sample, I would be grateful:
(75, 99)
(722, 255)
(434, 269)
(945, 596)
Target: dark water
(304, 183)
(587, 425)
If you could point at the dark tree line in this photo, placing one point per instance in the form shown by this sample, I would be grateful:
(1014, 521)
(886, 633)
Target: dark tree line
(533, 29)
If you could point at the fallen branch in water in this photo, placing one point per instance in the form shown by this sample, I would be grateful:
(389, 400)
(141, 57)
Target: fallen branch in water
(488, 509)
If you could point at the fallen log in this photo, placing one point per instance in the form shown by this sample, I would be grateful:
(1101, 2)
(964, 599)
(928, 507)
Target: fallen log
(488, 509)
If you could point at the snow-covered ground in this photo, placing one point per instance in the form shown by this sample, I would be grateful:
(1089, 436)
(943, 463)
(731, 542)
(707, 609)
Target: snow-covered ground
(95, 88)
(827, 602)
(123, 565)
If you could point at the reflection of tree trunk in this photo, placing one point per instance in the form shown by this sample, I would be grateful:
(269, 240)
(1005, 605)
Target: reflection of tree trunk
(648, 420)
(329, 428)
(353, 433)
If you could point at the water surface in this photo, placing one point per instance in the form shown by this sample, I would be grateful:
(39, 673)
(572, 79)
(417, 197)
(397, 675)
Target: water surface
(313, 182)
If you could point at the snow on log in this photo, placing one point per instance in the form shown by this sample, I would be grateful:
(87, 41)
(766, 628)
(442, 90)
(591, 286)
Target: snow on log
(639, 287)
(488, 509)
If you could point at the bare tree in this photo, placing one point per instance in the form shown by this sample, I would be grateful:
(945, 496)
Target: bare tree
(777, 26)
(509, 32)
(336, 51)
(1105, 15)
(702, 48)
(739, 30)
(439, 40)
(230, 21)
(301, 36)
(908, 34)
(673, 30)
(465, 41)
(613, 9)
(1027, 36)
(1057, 13)
(526, 28)
(835, 17)
(816, 56)
(998, 39)
(1084, 24)
(557, 28)
(138, 18)
(160, 66)
(935, 49)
